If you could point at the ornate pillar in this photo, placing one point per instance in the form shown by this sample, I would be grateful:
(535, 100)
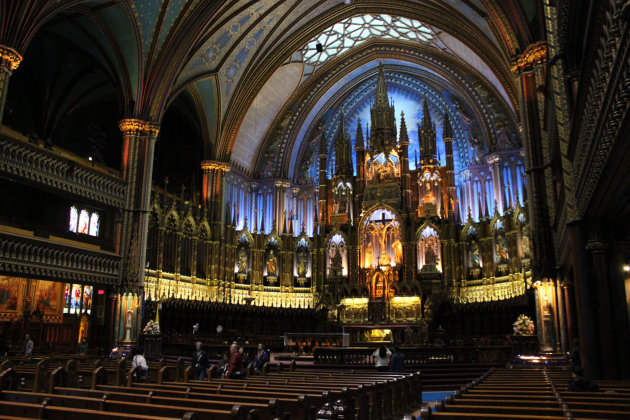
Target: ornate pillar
(137, 168)
(530, 69)
(214, 189)
(9, 61)
(497, 182)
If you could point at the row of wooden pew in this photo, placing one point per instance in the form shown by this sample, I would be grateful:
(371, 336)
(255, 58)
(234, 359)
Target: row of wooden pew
(531, 393)
(285, 394)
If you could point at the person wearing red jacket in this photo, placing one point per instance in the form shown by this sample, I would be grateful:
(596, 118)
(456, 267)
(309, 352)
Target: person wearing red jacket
(235, 364)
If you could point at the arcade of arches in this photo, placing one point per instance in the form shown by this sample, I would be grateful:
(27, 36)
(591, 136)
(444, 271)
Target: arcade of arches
(406, 170)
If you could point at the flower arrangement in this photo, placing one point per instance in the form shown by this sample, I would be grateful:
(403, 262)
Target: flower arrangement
(523, 325)
(152, 328)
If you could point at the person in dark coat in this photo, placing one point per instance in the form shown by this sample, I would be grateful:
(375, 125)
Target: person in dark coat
(397, 363)
(260, 358)
(200, 362)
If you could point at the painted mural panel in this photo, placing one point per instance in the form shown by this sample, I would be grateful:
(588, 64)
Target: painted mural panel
(11, 289)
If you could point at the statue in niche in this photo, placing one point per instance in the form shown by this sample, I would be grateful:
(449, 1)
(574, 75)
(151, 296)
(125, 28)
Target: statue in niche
(475, 258)
(369, 255)
(242, 261)
(501, 251)
(430, 257)
(398, 251)
(336, 264)
(302, 262)
(477, 147)
(525, 246)
(506, 140)
(272, 264)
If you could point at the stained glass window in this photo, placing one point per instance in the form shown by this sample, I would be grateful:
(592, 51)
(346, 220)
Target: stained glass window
(87, 300)
(74, 218)
(94, 223)
(75, 299)
(355, 30)
(84, 222)
(66, 298)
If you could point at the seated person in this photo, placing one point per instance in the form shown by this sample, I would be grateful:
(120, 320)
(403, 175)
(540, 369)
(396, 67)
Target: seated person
(235, 364)
(580, 383)
(260, 358)
(138, 360)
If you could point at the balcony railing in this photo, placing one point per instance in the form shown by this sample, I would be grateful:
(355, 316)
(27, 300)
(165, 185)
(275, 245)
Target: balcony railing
(46, 259)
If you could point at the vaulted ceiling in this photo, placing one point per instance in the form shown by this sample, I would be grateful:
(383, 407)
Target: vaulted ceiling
(241, 65)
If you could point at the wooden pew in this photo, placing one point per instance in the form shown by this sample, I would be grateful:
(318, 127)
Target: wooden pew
(51, 412)
(174, 408)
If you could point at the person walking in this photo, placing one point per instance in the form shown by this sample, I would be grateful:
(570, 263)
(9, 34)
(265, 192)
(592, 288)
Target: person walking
(200, 362)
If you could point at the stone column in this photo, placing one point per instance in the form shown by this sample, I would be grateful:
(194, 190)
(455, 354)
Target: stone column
(605, 316)
(497, 181)
(137, 168)
(214, 189)
(9, 61)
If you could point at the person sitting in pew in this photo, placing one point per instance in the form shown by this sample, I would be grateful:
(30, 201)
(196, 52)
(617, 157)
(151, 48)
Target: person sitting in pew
(260, 358)
(235, 364)
(580, 383)
(382, 356)
(222, 365)
(27, 348)
(82, 347)
(139, 361)
(397, 363)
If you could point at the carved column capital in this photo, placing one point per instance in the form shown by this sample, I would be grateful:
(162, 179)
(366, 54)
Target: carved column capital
(214, 166)
(596, 247)
(533, 55)
(9, 58)
(132, 126)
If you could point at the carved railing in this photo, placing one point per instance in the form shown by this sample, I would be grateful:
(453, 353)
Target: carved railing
(46, 259)
(36, 164)
(363, 356)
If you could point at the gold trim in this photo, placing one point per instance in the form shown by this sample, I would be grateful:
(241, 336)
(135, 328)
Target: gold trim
(214, 166)
(9, 57)
(533, 55)
(132, 126)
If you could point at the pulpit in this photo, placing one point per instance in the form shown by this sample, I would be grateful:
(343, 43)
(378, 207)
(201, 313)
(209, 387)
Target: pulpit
(152, 344)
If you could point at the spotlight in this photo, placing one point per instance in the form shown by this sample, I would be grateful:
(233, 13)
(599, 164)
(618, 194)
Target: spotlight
(626, 268)
(90, 158)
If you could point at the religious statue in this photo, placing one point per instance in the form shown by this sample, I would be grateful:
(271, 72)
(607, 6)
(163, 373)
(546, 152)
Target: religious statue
(336, 264)
(128, 319)
(369, 255)
(475, 258)
(398, 252)
(272, 264)
(302, 262)
(430, 258)
(242, 261)
(525, 246)
(477, 148)
(502, 252)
